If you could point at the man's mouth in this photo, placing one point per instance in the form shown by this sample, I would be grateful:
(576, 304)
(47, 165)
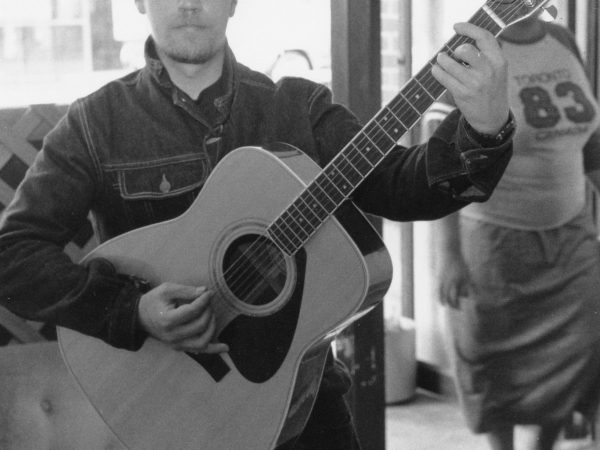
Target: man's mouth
(190, 25)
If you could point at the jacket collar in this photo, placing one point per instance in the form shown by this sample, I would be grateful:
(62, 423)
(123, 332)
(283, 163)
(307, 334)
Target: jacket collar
(229, 78)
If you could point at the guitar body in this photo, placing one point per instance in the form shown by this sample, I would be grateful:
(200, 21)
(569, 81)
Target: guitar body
(260, 394)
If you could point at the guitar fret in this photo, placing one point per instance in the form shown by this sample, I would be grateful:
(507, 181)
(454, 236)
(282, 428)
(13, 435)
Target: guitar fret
(383, 140)
(355, 168)
(368, 147)
(425, 78)
(413, 93)
(346, 162)
(409, 103)
(362, 155)
(371, 154)
(304, 221)
(333, 191)
(398, 119)
(323, 198)
(325, 185)
(385, 132)
(294, 239)
(425, 89)
(394, 133)
(316, 211)
(335, 173)
(437, 90)
(495, 18)
(314, 206)
(277, 235)
(290, 225)
(449, 50)
(409, 115)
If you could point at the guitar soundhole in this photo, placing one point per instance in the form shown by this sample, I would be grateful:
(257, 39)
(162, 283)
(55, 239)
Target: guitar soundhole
(254, 269)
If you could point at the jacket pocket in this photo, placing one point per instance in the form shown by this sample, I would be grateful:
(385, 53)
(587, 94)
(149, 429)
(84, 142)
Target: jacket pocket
(162, 179)
(150, 192)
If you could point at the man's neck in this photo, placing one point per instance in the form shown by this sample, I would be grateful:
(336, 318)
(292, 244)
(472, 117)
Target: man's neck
(194, 78)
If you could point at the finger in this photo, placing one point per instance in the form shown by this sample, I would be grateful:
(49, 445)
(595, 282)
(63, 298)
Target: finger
(452, 294)
(455, 68)
(457, 304)
(190, 311)
(215, 347)
(447, 293)
(454, 302)
(442, 296)
(203, 343)
(484, 40)
(196, 327)
(178, 293)
(470, 55)
(465, 289)
(193, 343)
(447, 80)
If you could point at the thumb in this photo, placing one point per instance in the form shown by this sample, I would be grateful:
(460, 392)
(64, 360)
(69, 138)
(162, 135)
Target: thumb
(180, 294)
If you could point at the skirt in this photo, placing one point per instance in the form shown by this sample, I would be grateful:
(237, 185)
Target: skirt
(526, 344)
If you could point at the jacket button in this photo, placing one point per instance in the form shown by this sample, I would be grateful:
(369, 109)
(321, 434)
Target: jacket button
(165, 186)
(46, 406)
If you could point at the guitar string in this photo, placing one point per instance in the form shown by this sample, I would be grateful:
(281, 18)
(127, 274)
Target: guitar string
(261, 248)
(424, 82)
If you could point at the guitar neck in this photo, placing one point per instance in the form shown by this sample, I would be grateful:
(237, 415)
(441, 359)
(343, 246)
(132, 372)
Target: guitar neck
(340, 178)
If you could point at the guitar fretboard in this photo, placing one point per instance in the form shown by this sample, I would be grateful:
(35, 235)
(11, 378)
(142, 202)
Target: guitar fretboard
(340, 178)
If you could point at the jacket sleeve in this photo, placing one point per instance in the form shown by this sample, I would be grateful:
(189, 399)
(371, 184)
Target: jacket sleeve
(38, 281)
(422, 182)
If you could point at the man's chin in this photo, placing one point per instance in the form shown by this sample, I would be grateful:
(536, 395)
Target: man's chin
(189, 52)
(189, 57)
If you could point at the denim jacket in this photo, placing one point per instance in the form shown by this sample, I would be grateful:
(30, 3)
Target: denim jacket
(138, 151)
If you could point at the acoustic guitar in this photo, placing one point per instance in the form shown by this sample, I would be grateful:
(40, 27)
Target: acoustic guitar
(291, 261)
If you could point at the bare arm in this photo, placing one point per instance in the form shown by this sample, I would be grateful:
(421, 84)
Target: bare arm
(453, 275)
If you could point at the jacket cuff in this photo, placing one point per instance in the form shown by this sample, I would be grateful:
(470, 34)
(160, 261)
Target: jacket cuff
(471, 169)
(122, 329)
(486, 140)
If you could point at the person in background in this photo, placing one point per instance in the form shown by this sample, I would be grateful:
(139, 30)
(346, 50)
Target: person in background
(520, 274)
(139, 149)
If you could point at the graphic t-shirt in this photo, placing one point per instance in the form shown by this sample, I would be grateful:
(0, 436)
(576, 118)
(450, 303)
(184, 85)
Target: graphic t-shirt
(543, 186)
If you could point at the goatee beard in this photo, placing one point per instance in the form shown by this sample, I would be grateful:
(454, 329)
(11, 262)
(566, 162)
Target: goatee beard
(188, 59)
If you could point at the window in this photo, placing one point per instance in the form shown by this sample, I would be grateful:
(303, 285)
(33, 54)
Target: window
(54, 51)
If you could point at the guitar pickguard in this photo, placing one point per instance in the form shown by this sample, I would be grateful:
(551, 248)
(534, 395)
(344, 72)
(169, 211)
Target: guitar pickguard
(259, 345)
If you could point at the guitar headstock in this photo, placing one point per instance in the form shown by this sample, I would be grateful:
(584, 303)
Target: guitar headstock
(513, 11)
